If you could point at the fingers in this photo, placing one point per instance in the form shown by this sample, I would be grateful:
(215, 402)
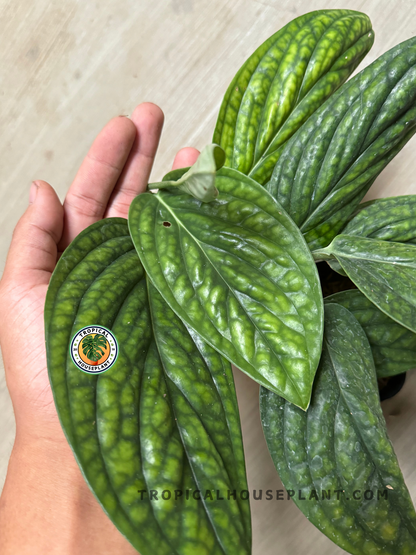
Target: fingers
(87, 198)
(185, 157)
(33, 251)
(116, 169)
(148, 120)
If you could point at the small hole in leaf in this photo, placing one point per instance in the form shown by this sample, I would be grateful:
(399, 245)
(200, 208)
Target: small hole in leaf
(167, 224)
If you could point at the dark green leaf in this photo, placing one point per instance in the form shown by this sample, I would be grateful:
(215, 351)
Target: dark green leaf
(393, 346)
(385, 272)
(341, 445)
(390, 219)
(164, 417)
(327, 167)
(286, 79)
(202, 394)
(239, 273)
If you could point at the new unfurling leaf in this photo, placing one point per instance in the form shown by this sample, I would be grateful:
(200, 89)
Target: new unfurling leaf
(198, 180)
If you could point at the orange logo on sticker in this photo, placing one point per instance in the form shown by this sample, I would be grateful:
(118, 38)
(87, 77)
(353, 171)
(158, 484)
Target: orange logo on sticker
(94, 349)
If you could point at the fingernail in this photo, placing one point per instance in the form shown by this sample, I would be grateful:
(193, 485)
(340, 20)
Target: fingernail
(33, 192)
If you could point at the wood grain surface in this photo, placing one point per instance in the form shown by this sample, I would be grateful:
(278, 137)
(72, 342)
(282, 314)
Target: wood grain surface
(67, 67)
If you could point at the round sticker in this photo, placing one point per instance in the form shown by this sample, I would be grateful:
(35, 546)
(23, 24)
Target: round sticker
(94, 349)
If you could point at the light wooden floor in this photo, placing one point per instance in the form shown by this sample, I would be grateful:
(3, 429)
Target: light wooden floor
(67, 67)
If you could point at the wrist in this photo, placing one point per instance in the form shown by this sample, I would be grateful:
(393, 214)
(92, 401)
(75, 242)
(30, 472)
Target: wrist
(40, 493)
(46, 460)
(47, 507)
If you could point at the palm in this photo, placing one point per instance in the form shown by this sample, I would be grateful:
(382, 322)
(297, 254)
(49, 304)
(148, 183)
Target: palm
(116, 169)
(31, 372)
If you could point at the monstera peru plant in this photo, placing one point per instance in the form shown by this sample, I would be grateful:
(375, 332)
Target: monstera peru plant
(219, 268)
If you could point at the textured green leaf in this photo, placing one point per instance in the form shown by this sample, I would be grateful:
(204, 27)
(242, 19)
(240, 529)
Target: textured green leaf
(384, 271)
(202, 394)
(286, 79)
(199, 180)
(393, 346)
(164, 417)
(239, 273)
(341, 444)
(389, 219)
(327, 167)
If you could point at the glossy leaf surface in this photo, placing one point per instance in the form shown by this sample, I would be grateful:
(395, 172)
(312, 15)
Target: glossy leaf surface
(164, 417)
(239, 273)
(341, 445)
(327, 167)
(393, 346)
(286, 79)
(389, 219)
(384, 271)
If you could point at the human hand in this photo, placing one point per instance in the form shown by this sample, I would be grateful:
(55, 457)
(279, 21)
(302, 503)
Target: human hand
(115, 170)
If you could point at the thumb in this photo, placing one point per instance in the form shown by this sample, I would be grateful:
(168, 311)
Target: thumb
(33, 251)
